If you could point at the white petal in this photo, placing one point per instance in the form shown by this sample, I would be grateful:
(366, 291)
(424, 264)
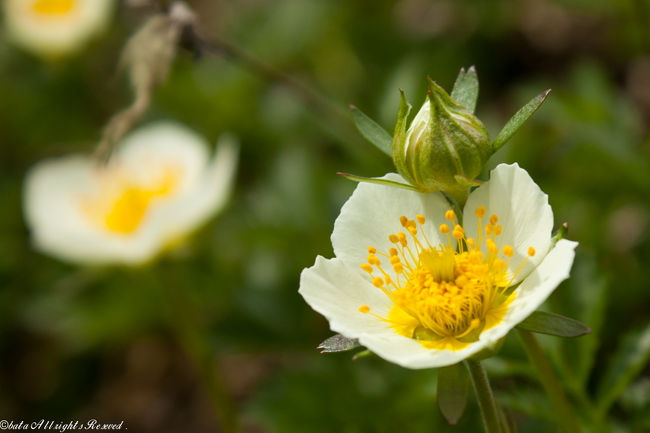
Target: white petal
(163, 144)
(523, 211)
(53, 196)
(536, 288)
(56, 34)
(206, 197)
(336, 291)
(409, 353)
(372, 213)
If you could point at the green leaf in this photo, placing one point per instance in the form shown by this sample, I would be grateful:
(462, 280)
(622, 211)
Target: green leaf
(372, 132)
(628, 361)
(362, 354)
(453, 389)
(465, 90)
(519, 119)
(377, 181)
(561, 233)
(553, 324)
(338, 343)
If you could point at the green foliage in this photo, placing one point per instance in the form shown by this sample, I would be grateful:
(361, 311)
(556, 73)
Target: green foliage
(553, 324)
(453, 390)
(372, 132)
(465, 90)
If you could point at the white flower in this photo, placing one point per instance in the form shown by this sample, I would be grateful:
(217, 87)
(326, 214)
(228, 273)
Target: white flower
(159, 185)
(55, 27)
(421, 291)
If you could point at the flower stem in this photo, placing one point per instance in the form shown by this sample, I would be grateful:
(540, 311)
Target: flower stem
(550, 383)
(484, 396)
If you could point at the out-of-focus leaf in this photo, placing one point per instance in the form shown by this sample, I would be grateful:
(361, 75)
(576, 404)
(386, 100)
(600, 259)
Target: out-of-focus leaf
(363, 354)
(338, 343)
(372, 132)
(584, 298)
(453, 389)
(628, 361)
(378, 181)
(519, 119)
(553, 324)
(530, 402)
(465, 90)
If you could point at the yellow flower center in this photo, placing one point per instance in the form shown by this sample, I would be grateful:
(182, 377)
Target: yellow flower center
(445, 296)
(122, 202)
(52, 7)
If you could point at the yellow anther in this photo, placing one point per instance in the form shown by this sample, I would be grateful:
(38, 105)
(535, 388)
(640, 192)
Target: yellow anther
(497, 230)
(412, 230)
(493, 219)
(508, 251)
(403, 220)
(444, 228)
(461, 280)
(471, 243)
(377, 282)
(364, 309)
(491, 246)
(402, 239)
(366, 267)
(480, 212)
(450, 215)
(393, 238)
(531, 251)
(372, 250)
(475, 323)
(394, 260)
(392, 251)
(457, 234)
(373, 260)
(458, 228)
(398, 268)
(499, 264)
(488, 229)
(420, 218)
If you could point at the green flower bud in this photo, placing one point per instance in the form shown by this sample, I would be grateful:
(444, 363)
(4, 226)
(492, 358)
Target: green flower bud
(444, 148)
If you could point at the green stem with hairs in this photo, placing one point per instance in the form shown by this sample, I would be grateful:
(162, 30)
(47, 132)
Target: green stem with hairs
(550, 383)
(484, 396)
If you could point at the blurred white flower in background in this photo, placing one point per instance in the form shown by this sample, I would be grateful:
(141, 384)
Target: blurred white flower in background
(158, 186)
(55, 28)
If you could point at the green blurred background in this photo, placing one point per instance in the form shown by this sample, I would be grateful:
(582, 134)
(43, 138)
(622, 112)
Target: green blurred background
(218, 323)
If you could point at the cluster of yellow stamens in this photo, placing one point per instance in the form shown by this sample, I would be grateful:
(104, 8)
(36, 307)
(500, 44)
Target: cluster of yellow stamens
(53, 7)
(122, 202)
(445, 295)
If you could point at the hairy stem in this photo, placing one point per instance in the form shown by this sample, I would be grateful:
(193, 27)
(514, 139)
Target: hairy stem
(484, 396)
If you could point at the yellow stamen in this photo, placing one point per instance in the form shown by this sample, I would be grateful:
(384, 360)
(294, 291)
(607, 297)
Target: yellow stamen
(121, 203)
(52, 7)
(450, 215)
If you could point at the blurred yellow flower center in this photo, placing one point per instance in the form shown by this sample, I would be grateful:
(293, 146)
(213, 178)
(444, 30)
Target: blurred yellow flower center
(122, 203)
(52, 7)
(444, 296)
